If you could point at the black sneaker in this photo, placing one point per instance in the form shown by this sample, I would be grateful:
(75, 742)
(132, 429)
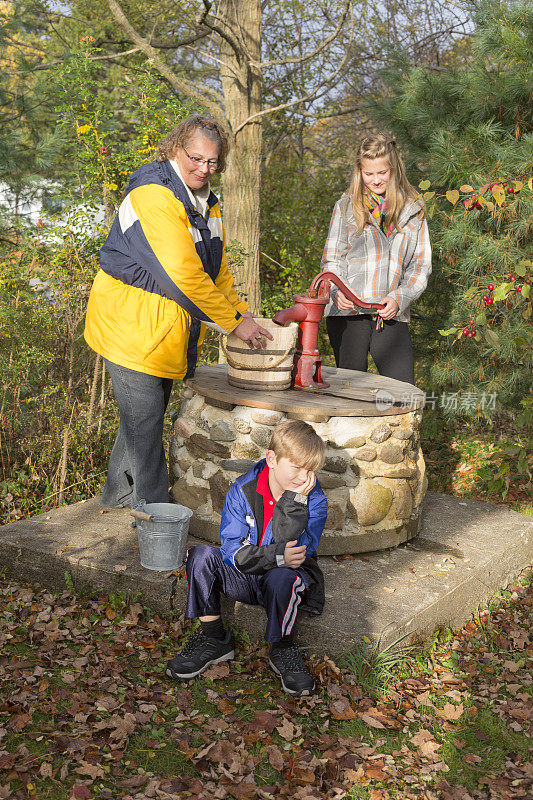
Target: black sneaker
(198, 654)
(288, 663)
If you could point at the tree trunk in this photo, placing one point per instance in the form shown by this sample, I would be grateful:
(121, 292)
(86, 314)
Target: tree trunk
(241, 83)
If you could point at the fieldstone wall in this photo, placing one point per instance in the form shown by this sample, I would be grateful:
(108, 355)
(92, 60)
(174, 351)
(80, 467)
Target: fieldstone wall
(374, 475)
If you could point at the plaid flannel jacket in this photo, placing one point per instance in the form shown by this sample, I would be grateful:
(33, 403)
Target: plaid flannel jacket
(375, 266)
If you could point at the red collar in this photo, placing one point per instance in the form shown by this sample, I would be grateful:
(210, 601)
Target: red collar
(262, 484)
(268, 500)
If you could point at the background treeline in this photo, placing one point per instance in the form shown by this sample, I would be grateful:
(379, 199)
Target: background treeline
(88, 88)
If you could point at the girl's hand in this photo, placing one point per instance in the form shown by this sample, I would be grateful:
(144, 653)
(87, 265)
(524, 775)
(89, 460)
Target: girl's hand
(342, 302)
(390, 310)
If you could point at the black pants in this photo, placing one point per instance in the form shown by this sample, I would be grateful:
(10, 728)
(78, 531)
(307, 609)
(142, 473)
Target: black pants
(279, 591)
(352, 338)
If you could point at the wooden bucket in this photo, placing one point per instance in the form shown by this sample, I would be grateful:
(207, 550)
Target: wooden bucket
(262, 369)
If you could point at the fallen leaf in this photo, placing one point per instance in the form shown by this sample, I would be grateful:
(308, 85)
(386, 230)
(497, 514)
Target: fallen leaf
(286, 730)
(374, 771)
(275, 758)
(426, 744)
(341, 709)
(450, 712)
(245, 790)
(19, 721)
(264, 721)
(45, 770)
(371, 722)
(79, 792)
(120, 567)
(92, 770)
(305, 777)
(217, 671)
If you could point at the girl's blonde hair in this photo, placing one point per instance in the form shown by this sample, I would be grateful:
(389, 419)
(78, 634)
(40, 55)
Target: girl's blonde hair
(298, 441)
(182, 133)
(399, 190)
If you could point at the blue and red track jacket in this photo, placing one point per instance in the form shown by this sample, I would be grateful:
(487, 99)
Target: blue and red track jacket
(295, 516)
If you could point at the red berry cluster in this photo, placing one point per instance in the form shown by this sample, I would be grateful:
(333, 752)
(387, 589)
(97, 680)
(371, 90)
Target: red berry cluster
(473, 201)
(470, 202)
(489, 300)
(469, 330)
(507, 186)
(512, 278)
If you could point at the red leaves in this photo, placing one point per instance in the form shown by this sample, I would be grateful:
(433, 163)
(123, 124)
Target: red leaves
(217, 671)
(264, 721)
(79, 792)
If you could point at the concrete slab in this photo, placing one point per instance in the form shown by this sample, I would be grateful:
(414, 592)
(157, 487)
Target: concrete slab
(466, 551)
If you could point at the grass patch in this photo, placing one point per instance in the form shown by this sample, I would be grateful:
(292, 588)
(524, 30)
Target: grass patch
(485, 737)
(374, 669)
(167, 761)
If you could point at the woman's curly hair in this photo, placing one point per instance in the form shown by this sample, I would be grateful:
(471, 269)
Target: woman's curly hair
(182, 133)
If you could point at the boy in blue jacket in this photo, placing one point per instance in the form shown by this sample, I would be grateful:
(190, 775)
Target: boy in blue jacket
(272, 521)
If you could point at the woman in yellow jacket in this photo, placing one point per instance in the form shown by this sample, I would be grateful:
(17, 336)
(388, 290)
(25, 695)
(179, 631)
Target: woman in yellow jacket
(163, 278)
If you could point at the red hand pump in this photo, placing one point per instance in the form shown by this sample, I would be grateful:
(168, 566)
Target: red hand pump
(308, 313)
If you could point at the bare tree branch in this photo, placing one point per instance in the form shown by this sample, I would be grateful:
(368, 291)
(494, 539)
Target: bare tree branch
(313, 53)
(312, 95)
(109, 57)
(183, 85)
(204, 20)
(338, 113)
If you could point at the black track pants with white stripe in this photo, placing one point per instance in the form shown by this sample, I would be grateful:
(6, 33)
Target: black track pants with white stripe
(279, 591)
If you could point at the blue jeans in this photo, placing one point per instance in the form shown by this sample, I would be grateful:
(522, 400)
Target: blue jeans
(137, 468)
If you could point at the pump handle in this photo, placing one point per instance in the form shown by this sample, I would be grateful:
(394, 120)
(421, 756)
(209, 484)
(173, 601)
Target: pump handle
(320, 287)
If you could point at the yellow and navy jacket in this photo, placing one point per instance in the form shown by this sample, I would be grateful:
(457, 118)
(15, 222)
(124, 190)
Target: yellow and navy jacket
(163, 277)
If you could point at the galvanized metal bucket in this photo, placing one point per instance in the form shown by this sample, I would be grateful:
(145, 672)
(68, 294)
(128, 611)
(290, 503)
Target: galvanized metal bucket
(162, 532)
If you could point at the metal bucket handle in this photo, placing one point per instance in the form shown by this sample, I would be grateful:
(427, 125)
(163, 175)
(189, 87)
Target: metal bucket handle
(142, 515)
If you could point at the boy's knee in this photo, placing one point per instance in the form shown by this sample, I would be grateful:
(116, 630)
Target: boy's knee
(281, 580)
(202, 556)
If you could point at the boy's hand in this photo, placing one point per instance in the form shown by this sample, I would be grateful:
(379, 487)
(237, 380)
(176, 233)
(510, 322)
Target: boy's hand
(308, 484)
(294, 556)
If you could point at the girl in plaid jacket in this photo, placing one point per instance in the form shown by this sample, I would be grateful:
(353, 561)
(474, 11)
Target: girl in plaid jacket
(378, 244)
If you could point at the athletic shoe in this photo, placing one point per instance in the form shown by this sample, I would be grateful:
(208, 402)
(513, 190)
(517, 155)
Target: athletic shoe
(198, 654)
(288, 663)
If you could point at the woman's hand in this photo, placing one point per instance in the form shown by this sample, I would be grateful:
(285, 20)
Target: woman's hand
(342, 302)
(390, 310)
(250, 332)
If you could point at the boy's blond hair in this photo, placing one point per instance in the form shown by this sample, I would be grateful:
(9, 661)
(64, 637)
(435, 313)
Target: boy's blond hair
(296, 440)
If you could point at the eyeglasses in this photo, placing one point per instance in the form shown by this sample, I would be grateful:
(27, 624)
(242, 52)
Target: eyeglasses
(211, 163)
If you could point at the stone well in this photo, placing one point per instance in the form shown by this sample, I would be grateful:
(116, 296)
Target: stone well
(374, 475)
